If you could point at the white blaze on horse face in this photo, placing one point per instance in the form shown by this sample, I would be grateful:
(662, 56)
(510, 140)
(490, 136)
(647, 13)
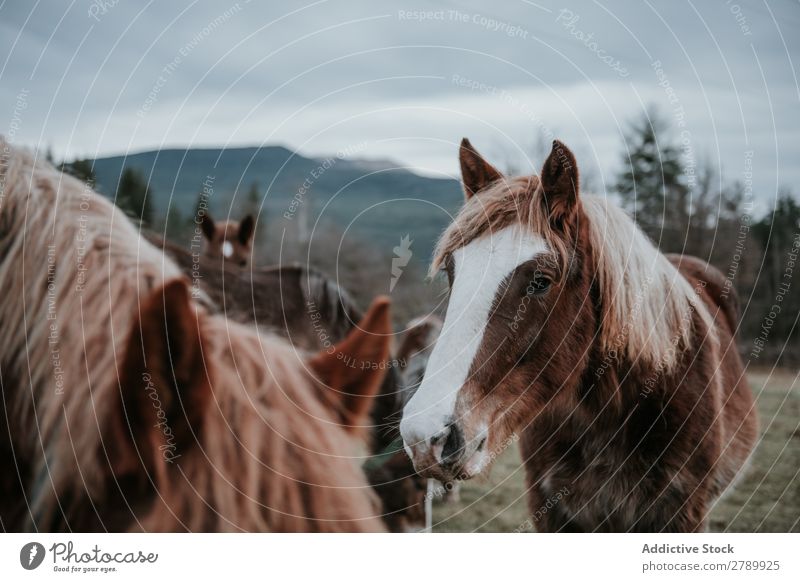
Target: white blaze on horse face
(480, 268)
(227, 249)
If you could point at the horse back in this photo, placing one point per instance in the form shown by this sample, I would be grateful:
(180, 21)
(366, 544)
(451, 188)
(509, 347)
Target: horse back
(738, 416)
(719, 293)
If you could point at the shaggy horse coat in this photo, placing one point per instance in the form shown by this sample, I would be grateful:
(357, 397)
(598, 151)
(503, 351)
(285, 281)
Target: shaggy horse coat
(299, 303)
(127, 406)
(312, 311)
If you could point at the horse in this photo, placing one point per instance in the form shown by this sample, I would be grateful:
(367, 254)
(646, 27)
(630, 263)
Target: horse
(311, 311)
(129, 406)
(615, 365)
(230, 241)
(300, 303)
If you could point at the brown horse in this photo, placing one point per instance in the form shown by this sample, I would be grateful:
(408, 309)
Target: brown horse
(312, 311)
(299, 303)
(128, 406)
(231, 240)
(616, 365)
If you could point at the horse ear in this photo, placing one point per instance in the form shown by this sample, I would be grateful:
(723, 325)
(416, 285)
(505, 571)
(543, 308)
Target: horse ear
(476, 173)
(559, 182)
(163, 386)
(209, 228)
(354, 369)
(246, 227)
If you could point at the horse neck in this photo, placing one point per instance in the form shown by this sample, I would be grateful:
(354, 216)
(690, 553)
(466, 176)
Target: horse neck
(594, 382)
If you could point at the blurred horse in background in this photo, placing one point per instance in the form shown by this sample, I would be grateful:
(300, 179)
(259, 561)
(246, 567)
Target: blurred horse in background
(299, 303)
(312, 311)
(129, 406)
(230, 240)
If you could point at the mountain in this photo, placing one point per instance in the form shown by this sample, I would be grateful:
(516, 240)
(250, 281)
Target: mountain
(374, 200)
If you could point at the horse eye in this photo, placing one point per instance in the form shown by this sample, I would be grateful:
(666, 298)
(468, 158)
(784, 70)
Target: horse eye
(538, 285)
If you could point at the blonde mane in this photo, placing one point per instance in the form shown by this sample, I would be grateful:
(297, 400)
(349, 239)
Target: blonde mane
(647, 305)
(75, 271)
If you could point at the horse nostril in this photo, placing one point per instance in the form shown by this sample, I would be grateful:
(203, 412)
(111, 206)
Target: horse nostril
(453, 446)
(438, 438)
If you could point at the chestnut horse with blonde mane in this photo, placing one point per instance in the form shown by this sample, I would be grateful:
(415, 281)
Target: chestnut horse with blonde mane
(616, 364)
(129, 407)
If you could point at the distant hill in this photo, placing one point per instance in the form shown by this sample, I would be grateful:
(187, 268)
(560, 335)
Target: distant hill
(375, 201)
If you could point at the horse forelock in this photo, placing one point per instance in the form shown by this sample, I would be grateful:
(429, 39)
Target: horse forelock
(508, 201)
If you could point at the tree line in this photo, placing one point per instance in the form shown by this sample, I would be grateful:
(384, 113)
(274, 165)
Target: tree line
(686, 206)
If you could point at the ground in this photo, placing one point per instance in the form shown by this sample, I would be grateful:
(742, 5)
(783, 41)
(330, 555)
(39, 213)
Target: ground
(766, 500)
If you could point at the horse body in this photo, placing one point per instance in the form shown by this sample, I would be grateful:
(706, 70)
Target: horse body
(129, 406)
(311, 311)
(655, 463)
(616, 364)
(654, 457)
(299, 303)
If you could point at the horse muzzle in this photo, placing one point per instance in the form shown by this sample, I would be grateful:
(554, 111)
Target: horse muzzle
(446, 456)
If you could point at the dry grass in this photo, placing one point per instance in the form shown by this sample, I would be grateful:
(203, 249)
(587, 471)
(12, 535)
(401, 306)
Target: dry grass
(766, 500)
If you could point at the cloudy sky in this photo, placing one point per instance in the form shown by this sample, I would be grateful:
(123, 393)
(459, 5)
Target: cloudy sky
(405, 81)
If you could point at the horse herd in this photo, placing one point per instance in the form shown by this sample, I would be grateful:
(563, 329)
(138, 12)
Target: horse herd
(148, 389)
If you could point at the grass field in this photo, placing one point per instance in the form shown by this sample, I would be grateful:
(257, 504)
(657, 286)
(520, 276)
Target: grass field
(766, 500)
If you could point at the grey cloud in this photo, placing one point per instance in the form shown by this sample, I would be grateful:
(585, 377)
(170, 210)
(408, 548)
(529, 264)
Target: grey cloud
(336, 73)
